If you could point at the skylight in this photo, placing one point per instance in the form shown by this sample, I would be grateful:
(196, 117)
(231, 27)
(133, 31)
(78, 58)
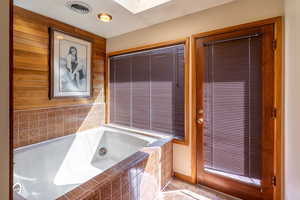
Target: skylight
(136, 6)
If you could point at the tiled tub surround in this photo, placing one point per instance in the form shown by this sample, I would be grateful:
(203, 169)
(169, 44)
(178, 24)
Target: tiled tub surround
(140, 176)
(33, 126)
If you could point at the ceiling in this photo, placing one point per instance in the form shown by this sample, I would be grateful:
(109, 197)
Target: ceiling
(125, 18)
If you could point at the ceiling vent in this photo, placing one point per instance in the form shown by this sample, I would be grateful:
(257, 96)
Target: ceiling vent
(79, 7)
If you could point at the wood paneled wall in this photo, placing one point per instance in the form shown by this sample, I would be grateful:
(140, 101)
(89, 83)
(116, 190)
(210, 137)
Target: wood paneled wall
(36, 117)
(31, 62)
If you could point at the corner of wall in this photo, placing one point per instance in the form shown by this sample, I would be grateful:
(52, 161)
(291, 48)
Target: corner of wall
(4, 98)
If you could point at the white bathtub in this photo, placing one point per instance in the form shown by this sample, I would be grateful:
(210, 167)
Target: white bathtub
(50, 169)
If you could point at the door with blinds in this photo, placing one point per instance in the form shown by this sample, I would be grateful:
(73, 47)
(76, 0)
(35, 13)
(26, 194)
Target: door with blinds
(235, 98)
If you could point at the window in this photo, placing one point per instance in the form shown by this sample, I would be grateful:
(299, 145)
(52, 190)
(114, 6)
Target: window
(147, 90)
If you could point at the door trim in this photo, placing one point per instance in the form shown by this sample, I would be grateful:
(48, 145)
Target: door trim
(278, 143)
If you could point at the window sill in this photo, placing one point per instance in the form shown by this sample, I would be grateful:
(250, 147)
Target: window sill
(181, 141)
(154, 134)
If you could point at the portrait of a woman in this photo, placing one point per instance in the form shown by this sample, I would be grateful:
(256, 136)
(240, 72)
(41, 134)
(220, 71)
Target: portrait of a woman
(75, 68)
(72, 73)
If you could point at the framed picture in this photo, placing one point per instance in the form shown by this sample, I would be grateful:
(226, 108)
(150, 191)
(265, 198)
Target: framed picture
(70, 60)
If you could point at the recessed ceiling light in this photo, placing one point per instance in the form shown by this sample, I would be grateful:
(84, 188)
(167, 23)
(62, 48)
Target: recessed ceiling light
(104, 17)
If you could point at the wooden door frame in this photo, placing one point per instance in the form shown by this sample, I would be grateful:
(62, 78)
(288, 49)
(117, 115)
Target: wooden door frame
(278, 65)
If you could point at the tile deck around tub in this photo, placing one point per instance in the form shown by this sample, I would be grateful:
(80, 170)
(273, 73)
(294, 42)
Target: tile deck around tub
(139, 177)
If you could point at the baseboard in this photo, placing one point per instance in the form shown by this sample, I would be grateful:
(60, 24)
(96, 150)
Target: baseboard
(184, 178)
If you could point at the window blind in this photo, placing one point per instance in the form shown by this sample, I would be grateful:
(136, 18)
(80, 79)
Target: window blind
(147, 90)
(232, 104)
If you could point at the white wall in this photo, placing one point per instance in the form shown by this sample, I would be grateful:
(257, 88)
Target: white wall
(292, 100)
(4, 99)
(234, 13)
(239, 12)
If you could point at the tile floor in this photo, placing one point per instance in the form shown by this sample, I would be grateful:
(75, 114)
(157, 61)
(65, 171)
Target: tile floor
(179, 190)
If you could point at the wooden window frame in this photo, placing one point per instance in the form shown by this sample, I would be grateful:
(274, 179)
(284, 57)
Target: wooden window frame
(278, 67)
(187, 98)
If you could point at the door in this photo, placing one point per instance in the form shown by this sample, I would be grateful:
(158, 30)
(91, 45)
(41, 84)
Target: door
(235, 107)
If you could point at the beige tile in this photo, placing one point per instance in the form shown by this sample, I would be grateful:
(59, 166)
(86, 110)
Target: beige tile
(179, 190)
(33, 126)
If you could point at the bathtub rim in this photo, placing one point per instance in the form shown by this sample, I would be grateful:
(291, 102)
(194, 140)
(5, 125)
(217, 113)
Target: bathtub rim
(121, 130)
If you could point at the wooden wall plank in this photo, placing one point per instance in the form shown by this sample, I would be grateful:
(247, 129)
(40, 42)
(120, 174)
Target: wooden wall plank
(19, 46)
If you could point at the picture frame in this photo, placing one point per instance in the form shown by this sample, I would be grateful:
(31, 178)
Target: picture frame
(70, 65)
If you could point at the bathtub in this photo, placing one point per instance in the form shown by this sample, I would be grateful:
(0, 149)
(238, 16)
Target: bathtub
(50, 169)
